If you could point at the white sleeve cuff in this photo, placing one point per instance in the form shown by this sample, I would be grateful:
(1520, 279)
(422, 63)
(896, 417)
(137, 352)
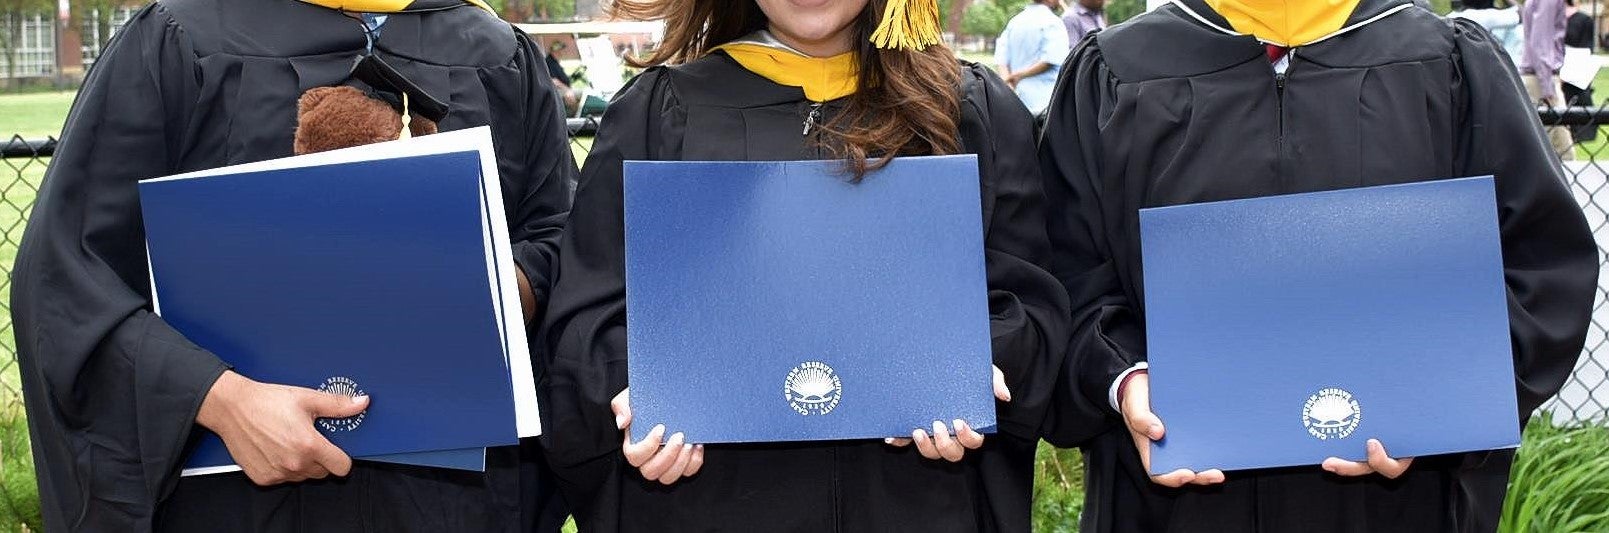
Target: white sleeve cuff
(1111, 392)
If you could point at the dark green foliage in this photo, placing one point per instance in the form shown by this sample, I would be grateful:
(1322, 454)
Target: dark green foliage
(1058, 490)
(1121, 10)
(1560, 480)
(989, 17)
(19, 495)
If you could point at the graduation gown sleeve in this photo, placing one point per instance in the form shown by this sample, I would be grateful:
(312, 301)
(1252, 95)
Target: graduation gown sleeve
(1107, 332)
(585, 328)
(1027, 307)
(537, 216)
(111, 389)
(1549, 257)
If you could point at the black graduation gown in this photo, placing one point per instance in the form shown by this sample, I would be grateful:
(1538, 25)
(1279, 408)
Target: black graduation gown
(1166, 110)
(112, 390)
(714, 109)
(1578, 30)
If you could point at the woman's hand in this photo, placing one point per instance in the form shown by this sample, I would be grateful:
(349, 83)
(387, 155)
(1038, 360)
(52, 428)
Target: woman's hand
(1144, 427)
(1378, 463)
(940, 445)
(675, 460)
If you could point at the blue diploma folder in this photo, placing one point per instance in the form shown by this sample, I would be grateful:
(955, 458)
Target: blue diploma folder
(1288, 329)
(369, 276)
(778, 301)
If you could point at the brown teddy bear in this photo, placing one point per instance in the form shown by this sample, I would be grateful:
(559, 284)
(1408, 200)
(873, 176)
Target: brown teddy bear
(330, 118)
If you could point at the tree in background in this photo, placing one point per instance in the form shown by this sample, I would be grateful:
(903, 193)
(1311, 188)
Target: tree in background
(97, 13)
(534, 10)
(512, 10)
(1121, 10)
(12, 15)
(989, 17)
(953, 11)
(554, 9)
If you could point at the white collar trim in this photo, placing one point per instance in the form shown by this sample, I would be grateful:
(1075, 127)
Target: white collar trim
(1193, 14)
(766, 39)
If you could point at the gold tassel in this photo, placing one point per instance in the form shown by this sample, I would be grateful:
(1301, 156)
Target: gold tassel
(908, 25)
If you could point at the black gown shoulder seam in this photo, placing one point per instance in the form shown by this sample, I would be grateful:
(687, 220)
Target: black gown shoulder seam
(163, 9)
(1113, 75)
(1377, 65)
(662, 94)
(1089, 49)
(505, 64)
(713, 59)
(756, 88)
(166, 7)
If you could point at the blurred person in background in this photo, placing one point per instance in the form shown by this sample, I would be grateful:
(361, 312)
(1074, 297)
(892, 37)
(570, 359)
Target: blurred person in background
(1504, 24)
(1029, 53)
(1083, 17)
(569, 96)
(1540, 61)
(1578, 34)
(1577, 25)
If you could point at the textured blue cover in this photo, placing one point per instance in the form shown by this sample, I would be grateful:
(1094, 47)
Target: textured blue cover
(1393, 294)
(473, 459)
(375, 271)
(739, 273)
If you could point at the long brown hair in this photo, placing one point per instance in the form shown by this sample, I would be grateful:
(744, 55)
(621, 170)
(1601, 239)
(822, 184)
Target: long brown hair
(908, 103)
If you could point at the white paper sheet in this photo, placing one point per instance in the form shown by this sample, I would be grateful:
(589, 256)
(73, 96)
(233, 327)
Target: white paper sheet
(1580, 67)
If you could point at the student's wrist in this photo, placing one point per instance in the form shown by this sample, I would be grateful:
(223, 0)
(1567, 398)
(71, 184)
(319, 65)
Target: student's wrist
(1120, 383)
(217, 406)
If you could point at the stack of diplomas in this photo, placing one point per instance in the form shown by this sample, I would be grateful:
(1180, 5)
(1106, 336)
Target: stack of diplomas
(383, 270)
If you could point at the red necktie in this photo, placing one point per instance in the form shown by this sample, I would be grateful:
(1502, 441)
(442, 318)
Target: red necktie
(1276, 52)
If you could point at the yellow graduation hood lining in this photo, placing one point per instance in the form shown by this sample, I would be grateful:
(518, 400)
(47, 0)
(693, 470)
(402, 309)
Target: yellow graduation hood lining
(1287, 23)
(383, 6)
(822, 78)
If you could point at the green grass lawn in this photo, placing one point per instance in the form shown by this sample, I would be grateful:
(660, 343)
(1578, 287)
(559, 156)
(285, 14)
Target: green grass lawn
(1594, 149)
(979, 58)
(30, 116)
(19, 182)
(33, 114)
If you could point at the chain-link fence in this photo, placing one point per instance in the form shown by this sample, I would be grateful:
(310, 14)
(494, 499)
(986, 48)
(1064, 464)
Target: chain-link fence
(22, 166)
(1577, 133)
